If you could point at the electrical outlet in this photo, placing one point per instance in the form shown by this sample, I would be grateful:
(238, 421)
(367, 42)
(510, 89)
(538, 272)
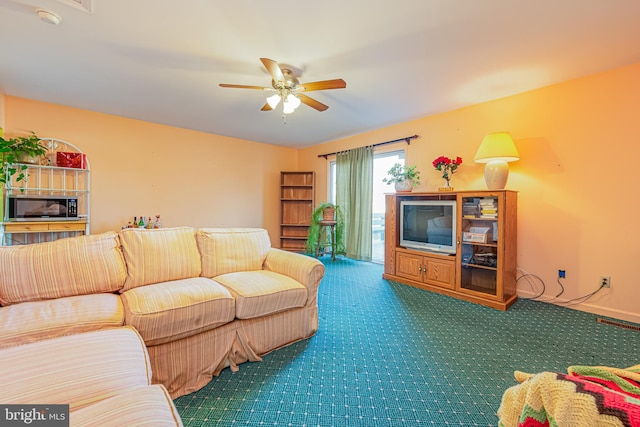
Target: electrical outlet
(605, 281)
(562, 274)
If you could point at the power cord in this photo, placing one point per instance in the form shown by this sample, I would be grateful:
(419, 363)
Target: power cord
(527, 276)
(584, 298)
(561, 287)
(574, 301)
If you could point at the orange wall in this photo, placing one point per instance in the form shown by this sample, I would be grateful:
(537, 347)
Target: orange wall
(140, 168)
(577, 200)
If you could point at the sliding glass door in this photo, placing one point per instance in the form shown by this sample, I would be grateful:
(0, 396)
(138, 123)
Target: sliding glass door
(382, 162)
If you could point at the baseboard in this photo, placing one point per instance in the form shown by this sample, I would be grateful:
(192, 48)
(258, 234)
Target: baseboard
(588, 308)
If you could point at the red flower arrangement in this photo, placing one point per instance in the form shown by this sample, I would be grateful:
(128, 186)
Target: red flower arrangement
(447, 166)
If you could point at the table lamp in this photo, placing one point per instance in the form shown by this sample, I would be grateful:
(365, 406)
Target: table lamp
(496, 150)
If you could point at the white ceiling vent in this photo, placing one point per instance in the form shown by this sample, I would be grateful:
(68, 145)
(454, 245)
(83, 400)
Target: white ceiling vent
(85, 5)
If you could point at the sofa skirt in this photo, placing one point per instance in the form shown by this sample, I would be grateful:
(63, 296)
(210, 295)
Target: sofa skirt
(188, 364)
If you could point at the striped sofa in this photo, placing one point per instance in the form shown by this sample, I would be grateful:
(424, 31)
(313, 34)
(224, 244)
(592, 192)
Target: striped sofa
(201, 299)
(102, 375)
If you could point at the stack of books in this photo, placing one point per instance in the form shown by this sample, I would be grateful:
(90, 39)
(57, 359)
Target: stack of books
(470, 209)
(488, 207)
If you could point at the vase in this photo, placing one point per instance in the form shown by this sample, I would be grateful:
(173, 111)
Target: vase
(404, 186)
(447, 185)
(27, 158)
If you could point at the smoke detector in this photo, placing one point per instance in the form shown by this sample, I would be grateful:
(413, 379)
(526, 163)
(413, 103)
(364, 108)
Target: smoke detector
(48, 16)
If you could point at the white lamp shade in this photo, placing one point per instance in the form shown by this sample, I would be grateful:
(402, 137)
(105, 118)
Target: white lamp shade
(496, 150)
(293, 100)
(290, 104)
(287, 108)
(273, 100)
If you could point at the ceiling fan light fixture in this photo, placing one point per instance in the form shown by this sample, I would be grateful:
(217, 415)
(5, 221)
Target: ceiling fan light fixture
(273, 100)
(287, 108)
(286, 86)
(290, 104)
(294, 100)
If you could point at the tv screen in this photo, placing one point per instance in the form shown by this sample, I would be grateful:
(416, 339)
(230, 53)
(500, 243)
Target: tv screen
(428, 225)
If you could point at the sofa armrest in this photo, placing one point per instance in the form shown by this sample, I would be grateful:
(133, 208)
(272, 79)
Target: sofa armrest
(306, 270)
(39, 320)
(77, 370)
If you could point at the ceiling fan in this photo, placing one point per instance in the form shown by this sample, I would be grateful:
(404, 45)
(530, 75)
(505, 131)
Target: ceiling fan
(289, 89)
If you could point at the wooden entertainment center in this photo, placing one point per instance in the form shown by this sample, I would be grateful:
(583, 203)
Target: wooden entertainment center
(483, 268)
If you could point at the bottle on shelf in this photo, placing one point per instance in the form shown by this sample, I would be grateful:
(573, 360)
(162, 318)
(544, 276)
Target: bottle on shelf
(141, 223)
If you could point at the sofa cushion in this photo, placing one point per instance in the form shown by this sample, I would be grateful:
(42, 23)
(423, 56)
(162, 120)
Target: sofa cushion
(159, 255)
(77, 370)
(171, 310)
(38, 320)
(225, 250)
(139, 406)
(260, 293)
(74, 266)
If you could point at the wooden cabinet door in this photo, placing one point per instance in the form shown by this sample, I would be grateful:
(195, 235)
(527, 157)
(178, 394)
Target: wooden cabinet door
(440, 273)
(409, 266)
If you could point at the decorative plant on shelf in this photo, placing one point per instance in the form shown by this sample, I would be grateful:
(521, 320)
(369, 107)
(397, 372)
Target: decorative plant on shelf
(448, 167)
(19, 150)
(314, 234)
(403, 177)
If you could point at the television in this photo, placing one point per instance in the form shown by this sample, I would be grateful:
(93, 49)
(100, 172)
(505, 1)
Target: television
(428, 225)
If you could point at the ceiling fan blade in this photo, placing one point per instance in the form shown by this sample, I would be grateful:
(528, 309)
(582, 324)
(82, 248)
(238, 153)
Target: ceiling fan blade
(312, 102)
(273, 68)
(266, 107)
(323, 85)
(244, 86)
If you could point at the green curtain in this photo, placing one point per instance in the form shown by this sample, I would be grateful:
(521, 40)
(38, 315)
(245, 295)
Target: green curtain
(354, 196)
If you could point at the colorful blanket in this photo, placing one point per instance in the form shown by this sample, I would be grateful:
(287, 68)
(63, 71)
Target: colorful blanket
(585, 396)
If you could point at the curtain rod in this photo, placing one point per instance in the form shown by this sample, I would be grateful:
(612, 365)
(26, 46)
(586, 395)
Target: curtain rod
(407, 140)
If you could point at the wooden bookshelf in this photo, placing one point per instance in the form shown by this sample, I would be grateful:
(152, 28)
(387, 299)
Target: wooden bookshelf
(297, 191)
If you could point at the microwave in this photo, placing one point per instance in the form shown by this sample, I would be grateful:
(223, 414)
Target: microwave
(41, 208)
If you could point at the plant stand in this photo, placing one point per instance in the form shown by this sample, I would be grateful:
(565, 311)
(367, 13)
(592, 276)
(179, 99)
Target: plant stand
(331, 235)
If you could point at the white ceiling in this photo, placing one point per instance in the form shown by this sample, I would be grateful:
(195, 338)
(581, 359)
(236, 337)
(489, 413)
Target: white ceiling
(162, 61)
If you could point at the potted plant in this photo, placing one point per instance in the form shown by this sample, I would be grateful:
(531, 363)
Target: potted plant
(403, 177)
(326, 211)
(19, 150)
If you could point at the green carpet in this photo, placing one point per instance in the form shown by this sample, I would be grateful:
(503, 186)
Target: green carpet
(388, 354)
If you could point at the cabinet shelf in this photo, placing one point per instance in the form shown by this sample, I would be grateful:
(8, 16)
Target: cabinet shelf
(34, 166)
(68, 191)
(484, 267)
(488, 245)
(479, 218)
